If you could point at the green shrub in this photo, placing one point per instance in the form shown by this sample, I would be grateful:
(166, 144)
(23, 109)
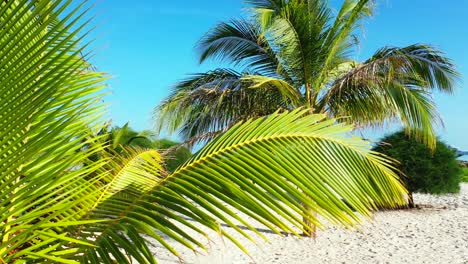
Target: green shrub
(426, 171)
(465, 174)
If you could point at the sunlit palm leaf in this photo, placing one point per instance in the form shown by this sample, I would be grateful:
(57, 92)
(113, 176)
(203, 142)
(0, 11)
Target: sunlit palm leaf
(395, 83)
(267, 168)
(289, 94)
(215, 101)
(48, 98)
(339, 38)
(241, 43)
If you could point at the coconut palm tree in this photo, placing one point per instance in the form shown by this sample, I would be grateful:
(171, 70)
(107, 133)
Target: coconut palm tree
(56, 206)
(175, 154)
(291, 53)
(118, 139)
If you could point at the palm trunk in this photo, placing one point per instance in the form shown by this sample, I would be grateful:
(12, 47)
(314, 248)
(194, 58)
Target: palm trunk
(310, 103)
(309, 95)
(410, 200)
(310, 230)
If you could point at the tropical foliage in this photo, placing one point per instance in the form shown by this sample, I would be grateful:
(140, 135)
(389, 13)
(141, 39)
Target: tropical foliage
(58, 206)
(175, 154)
(465, 174)
(126, 136)
(116, 140)
(422, 169)
(300, 53)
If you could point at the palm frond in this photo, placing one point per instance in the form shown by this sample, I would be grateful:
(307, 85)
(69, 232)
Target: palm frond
(214, 101)
(290, 94)
(266, 10)
(296, 30)
(125, 179)
(252, 168)
(241, 43)
(395, 85)
(419, 60)
(338, 38)
(48, 99)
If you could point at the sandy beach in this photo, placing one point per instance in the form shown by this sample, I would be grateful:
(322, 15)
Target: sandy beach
(437, 232)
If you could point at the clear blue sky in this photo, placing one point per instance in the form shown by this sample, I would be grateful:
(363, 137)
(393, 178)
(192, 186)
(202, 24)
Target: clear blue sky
(148, 45)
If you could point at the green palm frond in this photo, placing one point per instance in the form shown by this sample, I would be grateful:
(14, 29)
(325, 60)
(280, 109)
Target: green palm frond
(395, 83)
(215, 101)
(177, 109)
(290, 95)
(339, 37)
(117, 138)
(296, 31)
(265, 10)
(49, 97)
(241, 43)
(135, 167)
(419, 61)
(252, 168)
(125, 179)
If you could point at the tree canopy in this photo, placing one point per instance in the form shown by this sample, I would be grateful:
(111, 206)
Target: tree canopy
(288, 54)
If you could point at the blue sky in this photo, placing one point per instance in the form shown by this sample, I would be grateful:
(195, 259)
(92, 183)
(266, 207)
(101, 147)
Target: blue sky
(148, 45)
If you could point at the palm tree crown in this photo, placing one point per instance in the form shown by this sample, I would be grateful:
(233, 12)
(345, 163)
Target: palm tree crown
(291, 53)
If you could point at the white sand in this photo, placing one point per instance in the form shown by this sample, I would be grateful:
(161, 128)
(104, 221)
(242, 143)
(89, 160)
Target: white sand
(436, 233)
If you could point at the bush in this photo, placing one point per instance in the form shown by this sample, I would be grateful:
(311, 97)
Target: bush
(436, 172)
(465, 174)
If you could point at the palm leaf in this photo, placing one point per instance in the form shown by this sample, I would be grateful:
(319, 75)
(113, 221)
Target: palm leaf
(252, 168)
(339, 37)
(241, 43)
(215, 101)
(48, 98)
(290, 95)
(395, 83)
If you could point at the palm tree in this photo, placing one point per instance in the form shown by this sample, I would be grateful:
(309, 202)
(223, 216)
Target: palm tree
(126, 136)
(116, 140)
(174, 153)
(56, 206)
(291, 53)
